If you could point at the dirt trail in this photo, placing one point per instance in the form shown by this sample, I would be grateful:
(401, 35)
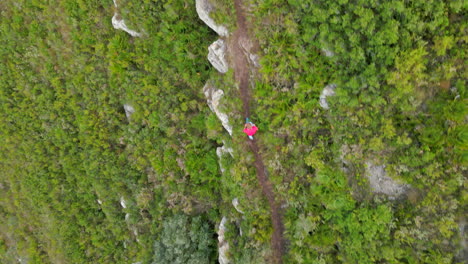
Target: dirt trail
(240, 45)
(241, 63)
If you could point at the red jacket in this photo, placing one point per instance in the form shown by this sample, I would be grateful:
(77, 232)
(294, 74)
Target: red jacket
(251, 131)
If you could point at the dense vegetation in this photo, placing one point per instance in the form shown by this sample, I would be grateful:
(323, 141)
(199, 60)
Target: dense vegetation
(66, 142)
(82, 183)
(400, 101)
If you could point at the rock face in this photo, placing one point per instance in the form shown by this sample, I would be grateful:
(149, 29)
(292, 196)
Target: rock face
(223, 245)
(129, 110)
(329, 90)
(119, 23)
(381, 183)
(216, 56)
(213, 97)
(204, 8)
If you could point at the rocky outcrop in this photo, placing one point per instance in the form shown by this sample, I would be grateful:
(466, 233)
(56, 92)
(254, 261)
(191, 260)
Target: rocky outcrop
(129, 110)
(119, 23)
(255, 60)
(223, 246)
(220, 151)
(247, 48)
(329, 90)
(213, 97)
(217, 56)
(122, 202)
(463, 252)
(326, 49)
(204, 8)
(235, 203)
(135, 233)
(381, 183)
(228, 150)
(23, 260)
(328, 53)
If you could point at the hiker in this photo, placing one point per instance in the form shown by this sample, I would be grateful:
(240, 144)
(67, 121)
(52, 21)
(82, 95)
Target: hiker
(249, 128)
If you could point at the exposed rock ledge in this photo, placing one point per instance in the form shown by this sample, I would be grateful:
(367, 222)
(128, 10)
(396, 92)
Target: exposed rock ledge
(213, 97)
(217, 56)
(204, 8)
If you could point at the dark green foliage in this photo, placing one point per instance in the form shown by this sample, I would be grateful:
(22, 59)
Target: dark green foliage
(66, 74)
(185, 239)
(400, 100)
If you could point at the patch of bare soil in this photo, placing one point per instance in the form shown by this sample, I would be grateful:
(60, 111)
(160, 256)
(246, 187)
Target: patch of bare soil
(240, 45)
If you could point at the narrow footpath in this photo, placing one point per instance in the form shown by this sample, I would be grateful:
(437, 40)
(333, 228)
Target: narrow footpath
(241, 42)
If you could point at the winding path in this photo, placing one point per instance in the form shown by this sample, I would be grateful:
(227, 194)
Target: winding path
(240, 45)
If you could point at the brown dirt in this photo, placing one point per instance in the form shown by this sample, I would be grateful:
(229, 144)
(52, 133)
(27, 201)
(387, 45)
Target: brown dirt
(240, 45)
(240, 61)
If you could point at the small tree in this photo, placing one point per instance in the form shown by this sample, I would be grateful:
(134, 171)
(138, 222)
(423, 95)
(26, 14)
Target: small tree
(185, 240)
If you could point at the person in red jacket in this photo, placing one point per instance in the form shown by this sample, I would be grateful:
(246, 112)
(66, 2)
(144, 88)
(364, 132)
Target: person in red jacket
(249, 128)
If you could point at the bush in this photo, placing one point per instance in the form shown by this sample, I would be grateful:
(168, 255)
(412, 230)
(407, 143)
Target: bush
(185, 240)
